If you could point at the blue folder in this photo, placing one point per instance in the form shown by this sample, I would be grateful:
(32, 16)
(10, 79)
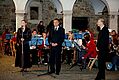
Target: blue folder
(40, 41)
(8, 36)
(29, 43)
(34, 41)
(68, 43)
(46, 42)
(75, 35)
(79, 36)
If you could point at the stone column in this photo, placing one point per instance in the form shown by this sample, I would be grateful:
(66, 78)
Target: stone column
(67, 20)
(19, 16)
(113, 21)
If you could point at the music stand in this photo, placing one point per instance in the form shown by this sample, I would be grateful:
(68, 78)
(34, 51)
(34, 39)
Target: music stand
(79, 36)
(33, 41)
(8, 36)
(46, 42)
(75, 35)
(77, 54)
(68, 44)
(39, 41)
(7, 49)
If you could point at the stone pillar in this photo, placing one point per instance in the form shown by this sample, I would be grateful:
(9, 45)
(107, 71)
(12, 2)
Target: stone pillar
(113, 21)
(67, 20)
(19, 16)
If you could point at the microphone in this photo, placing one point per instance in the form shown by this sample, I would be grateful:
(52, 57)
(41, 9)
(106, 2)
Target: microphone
(22, 28)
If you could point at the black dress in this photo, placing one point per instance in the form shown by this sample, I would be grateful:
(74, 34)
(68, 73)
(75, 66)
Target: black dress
(23, 61)
(103, 47)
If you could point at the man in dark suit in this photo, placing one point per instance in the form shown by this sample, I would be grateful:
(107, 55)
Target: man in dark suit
(102, 46)
(56, 38)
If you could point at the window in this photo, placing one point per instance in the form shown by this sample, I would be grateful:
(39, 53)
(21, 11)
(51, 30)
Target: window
(34, 13)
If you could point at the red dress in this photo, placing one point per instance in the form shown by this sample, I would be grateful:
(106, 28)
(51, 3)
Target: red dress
(91, 49)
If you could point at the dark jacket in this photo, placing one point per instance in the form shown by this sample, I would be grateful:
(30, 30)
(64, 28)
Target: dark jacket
(56, 36)
(103, 39)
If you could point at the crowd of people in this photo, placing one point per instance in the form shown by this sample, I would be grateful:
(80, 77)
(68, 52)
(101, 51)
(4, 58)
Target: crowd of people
(78, 49)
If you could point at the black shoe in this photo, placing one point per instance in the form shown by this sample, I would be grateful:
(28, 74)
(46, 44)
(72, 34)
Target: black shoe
(22, 70)
(99, 78)
(57, 73)
(25, 70)
(51, 72)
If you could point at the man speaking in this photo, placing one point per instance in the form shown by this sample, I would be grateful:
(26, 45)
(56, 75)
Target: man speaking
(56, 38)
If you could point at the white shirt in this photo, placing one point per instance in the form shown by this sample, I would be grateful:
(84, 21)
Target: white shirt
(101, 27)
(23, 29)
(56, 28)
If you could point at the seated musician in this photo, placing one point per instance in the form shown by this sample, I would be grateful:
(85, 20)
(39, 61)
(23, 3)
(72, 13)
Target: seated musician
(115, 57)
(33, 49)
(67, 54)
(13, 44)
(34, 33)
(90, 48)
(44, 49)
(115, 60)
(5, 42)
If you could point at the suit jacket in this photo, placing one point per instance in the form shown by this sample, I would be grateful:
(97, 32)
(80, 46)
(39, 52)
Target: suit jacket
(103, 40)
(56, 36)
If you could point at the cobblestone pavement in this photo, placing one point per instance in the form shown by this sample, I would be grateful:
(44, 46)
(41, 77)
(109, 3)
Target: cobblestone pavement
(9, 72)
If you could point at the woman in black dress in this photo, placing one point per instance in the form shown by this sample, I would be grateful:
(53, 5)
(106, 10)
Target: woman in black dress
(23, 57)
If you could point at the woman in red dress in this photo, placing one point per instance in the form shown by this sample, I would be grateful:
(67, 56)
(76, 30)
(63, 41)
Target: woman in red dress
(90, 48)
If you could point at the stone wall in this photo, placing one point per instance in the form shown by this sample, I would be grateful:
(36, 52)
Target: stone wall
(7, 15)
(47, 12)
(83, 8)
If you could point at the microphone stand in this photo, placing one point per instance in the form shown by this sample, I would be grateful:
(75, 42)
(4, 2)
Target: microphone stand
(22, 58)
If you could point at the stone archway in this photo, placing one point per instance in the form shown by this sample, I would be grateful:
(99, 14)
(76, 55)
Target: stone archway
(83, 12)
(47, 11)
(7, 15)
(87, 13)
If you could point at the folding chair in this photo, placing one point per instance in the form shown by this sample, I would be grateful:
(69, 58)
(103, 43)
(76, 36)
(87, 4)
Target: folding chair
(92, 62)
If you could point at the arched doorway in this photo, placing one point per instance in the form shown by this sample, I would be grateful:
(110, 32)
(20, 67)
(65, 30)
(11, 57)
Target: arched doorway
(86, 13)
(7, 15)
(82, 12)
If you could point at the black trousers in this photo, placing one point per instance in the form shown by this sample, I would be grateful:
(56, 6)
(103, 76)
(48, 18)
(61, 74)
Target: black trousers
(101, 65)
(55, 59)
(34, 53)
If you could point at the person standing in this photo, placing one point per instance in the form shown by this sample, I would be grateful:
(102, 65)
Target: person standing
(56, 38)
(102, 46)
(23, 35)
(40, 28)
